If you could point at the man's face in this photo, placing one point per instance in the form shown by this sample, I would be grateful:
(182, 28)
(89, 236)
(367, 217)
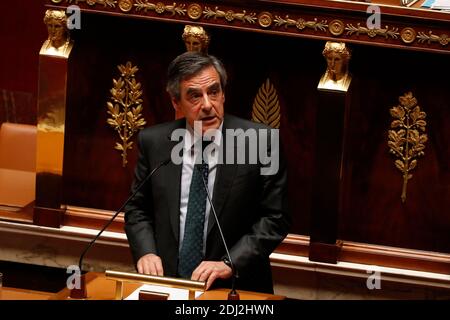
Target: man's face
(202, 99)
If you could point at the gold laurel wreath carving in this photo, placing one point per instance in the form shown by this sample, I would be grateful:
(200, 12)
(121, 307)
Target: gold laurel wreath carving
(406, 141)
(125, 108)
(105, 3)
(266, 106)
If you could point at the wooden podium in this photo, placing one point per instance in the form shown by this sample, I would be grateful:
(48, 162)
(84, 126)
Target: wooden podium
(101, 288)
(7, 293)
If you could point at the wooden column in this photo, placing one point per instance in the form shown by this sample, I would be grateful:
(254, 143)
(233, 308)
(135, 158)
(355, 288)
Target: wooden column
(327, 190)
(50, 136)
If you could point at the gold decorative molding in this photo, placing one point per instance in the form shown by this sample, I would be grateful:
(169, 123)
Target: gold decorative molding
(105, 3)
(194, 11)
(229, 15)
(443, 39)
(336, 27)
(160, 7)
(300, 23)
(372, 32)
(268, 20)
(265, 19)
(125, 5)
(406, 141)
(408, 35)
(266, 106)
(126, 108)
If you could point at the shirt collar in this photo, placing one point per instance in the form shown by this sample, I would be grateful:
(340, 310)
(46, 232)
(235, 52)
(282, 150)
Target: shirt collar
(190, 138)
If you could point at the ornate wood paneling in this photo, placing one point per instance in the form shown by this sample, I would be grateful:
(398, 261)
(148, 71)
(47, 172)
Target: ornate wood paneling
(399, 27)
(373, 211)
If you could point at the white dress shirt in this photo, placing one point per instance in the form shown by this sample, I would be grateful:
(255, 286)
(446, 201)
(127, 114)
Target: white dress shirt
(190, 155)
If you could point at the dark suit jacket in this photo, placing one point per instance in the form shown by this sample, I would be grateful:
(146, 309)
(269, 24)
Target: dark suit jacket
(252, 208)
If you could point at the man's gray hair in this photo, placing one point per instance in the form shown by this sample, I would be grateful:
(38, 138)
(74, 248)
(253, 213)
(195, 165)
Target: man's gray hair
(189, 64)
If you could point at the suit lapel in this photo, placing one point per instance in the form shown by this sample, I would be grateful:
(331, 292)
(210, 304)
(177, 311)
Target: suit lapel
(173, 196)
(173, 183)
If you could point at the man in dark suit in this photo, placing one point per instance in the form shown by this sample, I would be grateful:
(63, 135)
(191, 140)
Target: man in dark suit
(170, 224)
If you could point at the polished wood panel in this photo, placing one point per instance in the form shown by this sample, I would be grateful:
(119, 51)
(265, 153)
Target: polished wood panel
(7, 293)
(52, 100)
(328, 152)
(222, 294)
(91, 218)
(372, 208)
(370, 254)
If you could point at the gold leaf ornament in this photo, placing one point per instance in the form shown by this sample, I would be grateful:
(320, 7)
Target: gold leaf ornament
(125, 109)
(266, 106)
(405, 140)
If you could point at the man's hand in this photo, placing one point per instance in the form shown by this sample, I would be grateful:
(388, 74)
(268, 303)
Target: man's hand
(150, 264)
(211, 270)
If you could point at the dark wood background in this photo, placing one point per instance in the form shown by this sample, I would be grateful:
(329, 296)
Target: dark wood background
(22, 33)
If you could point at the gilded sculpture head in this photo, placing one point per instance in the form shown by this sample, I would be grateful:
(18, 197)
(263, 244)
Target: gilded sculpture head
(195, 38)
(56, 21)
(337, 56)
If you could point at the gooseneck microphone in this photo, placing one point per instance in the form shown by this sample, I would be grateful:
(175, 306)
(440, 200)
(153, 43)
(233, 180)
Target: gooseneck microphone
(233, 294)
(81, 292)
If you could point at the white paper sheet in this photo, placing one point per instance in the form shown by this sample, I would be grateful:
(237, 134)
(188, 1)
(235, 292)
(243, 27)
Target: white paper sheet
(441, 4)
(174, 293)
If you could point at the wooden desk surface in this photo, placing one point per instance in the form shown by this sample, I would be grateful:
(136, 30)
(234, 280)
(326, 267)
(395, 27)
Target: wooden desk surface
(100, 288)
(7, 293)
(17, 187)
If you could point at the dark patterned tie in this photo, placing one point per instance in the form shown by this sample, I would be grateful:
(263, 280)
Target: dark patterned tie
(191, 253)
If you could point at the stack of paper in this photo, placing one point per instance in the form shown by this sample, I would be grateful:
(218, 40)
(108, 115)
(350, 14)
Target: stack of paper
(174, 293)
(428, 4)
(436, 4)
(441, 5)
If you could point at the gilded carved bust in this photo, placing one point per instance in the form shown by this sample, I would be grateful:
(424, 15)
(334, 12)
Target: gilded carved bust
(195, 38)
(58, 42)
(336, 77)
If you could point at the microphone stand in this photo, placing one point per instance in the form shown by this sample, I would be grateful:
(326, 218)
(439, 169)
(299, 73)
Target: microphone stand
(233, 294)
(81, 293)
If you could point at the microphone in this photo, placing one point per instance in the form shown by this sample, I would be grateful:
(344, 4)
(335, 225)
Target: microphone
(81, 293)
(233, 294)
